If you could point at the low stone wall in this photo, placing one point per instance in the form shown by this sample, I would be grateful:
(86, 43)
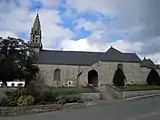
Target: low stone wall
(120, 94)
(128, 94)
(90, 96)
(14, 111)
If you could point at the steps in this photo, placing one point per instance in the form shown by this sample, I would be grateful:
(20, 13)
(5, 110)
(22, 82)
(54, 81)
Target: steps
(109, 92)
(105, 93)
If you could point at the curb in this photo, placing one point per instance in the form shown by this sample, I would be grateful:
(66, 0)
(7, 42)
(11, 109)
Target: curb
(141, 97)
(104, 102)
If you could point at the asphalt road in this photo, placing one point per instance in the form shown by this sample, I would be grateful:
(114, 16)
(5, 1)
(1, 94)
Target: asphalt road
(141, 109)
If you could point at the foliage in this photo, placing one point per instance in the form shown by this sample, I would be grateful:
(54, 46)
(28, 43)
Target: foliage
(63, 95)
(153, 78)
(15, 61)
(69, 99)
(119, 78)
(4, 101)
(69, 90)
(14, 95)
(25, 100)
(49, 96)
(139, 87)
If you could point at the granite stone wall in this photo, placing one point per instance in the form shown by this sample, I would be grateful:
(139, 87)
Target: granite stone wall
(69, 74)
(90, 96)
(120, 94)
(12, 111)
(106, 71)
(128, 94)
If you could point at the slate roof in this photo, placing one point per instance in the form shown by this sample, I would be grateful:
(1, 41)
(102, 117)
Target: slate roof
(68, 57)
(84, 58)
(114, 55)
(149, 64)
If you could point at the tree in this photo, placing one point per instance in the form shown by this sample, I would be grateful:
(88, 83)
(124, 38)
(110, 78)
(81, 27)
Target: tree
(16, 61)
(153, 78)
(119, 78)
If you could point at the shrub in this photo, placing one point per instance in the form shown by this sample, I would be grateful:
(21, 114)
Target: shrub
(33, 92)
(153, 78)
(119, 78)
(49, 96)
(4, 101)
(69, 99)
(14, 95)
(26, 100)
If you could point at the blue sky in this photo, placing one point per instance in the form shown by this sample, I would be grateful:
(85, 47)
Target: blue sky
(68, 21)
(86, 25)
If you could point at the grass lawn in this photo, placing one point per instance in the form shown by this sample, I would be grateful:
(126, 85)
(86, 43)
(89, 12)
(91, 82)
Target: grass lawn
(70, 90)
(135, 87)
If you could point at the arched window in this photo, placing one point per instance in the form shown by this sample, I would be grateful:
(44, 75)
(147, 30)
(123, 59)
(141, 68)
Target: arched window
(57, 74)
(120, 66)
(12, 84)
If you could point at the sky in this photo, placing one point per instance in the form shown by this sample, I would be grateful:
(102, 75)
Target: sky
(87, 25)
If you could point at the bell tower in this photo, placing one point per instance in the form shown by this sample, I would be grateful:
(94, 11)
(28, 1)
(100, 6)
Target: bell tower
(36, 35)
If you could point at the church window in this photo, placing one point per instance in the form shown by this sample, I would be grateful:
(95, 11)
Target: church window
(57, 74)
(12, 84)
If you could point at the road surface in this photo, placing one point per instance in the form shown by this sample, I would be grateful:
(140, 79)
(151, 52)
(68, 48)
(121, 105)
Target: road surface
(141, 109)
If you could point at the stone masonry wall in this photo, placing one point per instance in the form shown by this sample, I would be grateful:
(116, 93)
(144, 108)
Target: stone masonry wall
(12, 111)
(68, 73)
(106, 72)
(133, 72)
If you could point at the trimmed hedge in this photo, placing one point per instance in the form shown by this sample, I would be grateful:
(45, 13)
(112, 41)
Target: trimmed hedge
(119, 78)
(153, 78)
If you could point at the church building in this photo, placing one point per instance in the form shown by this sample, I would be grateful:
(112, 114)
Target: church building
(77, 68)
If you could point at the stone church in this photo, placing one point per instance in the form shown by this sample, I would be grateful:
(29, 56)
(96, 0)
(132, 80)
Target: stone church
(72, 68)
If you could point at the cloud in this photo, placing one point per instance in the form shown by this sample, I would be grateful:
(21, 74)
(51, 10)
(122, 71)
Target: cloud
(20, 19)
(139, 18)
(87, 25)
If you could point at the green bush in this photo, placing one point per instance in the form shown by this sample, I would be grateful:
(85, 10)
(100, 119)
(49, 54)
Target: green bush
(26, 100)
(49, 96)
(14, 95)
(69, 90)
(69, 99)
(119, 78)
(4, 102)
(153, 78)
(33, 92)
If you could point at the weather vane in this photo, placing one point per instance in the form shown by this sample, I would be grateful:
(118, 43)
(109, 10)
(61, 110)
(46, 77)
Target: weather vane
(38, 8)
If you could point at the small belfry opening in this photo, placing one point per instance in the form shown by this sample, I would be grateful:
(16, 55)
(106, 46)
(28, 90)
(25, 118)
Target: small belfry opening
(93, 78)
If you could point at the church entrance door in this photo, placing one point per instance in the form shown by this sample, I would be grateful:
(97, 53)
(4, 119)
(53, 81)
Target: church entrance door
(93, 78)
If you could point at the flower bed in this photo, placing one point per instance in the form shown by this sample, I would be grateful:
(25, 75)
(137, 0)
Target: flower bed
(25, 101)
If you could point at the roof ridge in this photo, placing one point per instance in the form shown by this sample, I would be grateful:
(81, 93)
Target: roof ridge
(71, 51)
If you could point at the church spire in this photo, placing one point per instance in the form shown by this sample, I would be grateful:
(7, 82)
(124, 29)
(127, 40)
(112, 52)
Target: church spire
(36, 35)
(37, 25)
